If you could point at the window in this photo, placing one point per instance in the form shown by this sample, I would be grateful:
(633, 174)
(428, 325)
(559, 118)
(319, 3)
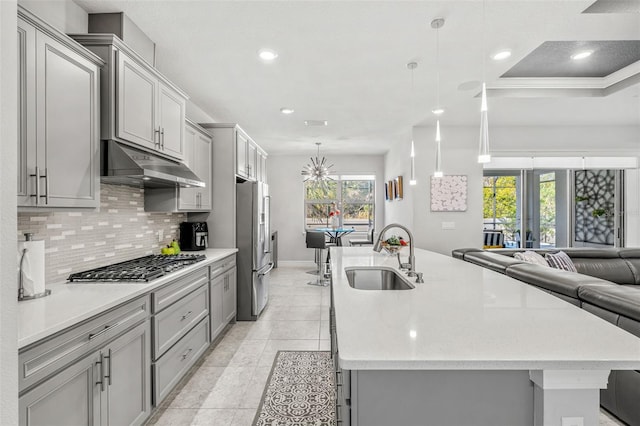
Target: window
(500, 206)
(354, 196)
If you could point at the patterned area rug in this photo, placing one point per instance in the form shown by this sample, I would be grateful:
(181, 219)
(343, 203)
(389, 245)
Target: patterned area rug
(299, 392)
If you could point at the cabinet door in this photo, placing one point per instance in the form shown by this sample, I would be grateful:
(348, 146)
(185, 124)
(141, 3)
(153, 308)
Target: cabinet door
(67, 126)
(229, 299)
(252, 152)
(26, 114)
(127, 393)
(171, 111)
(136, 104)
(215, 307)
(263, 167)
(242, 143)
(189, 196)
(71, 397)
(202, 166)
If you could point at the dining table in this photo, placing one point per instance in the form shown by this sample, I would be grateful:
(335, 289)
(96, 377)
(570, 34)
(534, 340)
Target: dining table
(335, 234)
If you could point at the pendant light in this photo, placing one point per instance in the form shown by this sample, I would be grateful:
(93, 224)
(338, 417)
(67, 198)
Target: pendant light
(437, 24)
(317, 171)
(412, 181)
(484, 155)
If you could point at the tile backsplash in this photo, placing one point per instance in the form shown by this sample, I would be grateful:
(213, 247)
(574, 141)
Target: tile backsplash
(80, 240)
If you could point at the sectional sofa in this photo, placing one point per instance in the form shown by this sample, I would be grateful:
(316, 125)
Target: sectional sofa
(607, 284)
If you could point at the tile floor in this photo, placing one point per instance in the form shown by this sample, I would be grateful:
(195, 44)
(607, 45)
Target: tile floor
(225, 387)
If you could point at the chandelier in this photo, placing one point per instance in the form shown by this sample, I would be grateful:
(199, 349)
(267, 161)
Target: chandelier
(317, 170)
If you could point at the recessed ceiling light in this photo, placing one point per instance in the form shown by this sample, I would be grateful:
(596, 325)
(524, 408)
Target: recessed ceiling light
(267, 55)
(316, 123)
(438, 111)
(503, 54)
(146, 178)
(287, 110)
(581, 55)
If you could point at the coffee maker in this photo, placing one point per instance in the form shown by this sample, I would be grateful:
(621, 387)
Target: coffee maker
(193, 236)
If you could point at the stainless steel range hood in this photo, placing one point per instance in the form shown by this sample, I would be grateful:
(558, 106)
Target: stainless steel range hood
(122, 164)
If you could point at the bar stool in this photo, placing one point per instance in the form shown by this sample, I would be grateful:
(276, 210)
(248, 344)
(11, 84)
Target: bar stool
(316, 240)
(367, 242)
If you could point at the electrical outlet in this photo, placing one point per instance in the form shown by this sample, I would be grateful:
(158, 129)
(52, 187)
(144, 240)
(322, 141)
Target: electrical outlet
(572, 421)
(160, 235)
(448, 225)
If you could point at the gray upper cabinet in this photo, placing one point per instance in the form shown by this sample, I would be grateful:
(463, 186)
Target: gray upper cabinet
(58, 113)
(198, 147)
(139, 105)
(242, 147)
(137, 97)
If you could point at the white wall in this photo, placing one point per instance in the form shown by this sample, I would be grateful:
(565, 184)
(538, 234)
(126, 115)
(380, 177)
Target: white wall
(459, 157)
(287, 196)
(8, 173)
(397, 163)
(632, 208)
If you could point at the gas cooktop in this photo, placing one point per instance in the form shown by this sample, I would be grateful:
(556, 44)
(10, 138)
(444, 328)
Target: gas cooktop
(142, 269)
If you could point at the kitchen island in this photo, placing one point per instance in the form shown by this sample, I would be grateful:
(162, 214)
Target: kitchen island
(469, 346)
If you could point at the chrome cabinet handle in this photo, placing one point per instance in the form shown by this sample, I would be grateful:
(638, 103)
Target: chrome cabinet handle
(37, 176)
(185, 316)
(104, 330)
(156, 132)
(109, 376)
(101, 362)
(186, 354)
(46, 186)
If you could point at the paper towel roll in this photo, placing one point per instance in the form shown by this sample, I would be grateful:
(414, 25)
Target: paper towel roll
(32, 272)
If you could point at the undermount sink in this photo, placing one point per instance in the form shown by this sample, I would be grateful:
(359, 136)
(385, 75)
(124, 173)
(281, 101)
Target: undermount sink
(376, 279)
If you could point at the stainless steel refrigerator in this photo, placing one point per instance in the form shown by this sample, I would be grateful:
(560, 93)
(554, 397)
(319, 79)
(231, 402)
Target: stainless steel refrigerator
(253, 238)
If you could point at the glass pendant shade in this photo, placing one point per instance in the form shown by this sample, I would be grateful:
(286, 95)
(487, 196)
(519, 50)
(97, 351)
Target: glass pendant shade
(484, 155)
(438, 172)
(413, 181)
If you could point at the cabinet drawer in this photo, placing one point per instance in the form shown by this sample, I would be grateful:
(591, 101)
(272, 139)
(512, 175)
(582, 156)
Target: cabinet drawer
(171, 324)
(179, 288)
(172, 366)
(221, 266)
(44, 358)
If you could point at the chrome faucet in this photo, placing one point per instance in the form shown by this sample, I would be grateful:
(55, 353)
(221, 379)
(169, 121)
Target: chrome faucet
(412, 260)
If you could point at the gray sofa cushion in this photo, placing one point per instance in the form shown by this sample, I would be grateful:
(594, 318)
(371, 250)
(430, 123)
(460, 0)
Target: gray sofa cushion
(459, 253)
(602, 263)
(493, 261)
(632, 257)
(621, 299)
(556, 280)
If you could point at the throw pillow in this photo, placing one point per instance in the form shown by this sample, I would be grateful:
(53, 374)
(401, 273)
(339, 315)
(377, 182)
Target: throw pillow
(531, 257)
(560, 260)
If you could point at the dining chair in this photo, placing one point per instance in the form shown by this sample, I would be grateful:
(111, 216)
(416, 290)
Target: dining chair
(367, 242)
(316, 240)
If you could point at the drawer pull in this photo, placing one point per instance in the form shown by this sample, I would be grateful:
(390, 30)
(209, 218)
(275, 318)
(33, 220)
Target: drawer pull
(186, 354)
(104, 330)
(185, 316)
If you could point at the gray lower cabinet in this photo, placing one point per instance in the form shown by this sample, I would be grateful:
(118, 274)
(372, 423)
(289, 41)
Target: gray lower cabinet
(180, 329)
(58, 112)
(223, 285)
(110, 386)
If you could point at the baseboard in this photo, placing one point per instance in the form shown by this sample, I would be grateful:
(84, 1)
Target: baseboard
(296, 262)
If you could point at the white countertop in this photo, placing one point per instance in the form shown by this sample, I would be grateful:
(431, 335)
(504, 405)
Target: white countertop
(467, 317)
(71, 303)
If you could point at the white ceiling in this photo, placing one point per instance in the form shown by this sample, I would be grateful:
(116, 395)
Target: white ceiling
(345, 62)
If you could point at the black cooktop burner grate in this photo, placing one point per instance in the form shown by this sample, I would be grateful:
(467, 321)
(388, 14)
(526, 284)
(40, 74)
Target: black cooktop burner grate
(142, 269)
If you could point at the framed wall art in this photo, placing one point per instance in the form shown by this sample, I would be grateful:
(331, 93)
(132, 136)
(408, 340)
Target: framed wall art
(449, 193)
(399, 188)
